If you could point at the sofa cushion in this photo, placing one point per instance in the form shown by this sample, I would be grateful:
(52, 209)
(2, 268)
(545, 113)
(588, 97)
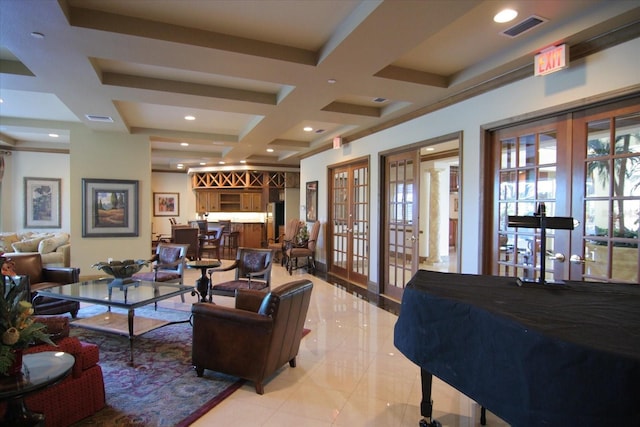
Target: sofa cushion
(50, 244)
(29, 245)
(6, 240)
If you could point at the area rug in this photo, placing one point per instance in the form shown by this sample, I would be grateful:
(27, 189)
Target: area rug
(161, 389)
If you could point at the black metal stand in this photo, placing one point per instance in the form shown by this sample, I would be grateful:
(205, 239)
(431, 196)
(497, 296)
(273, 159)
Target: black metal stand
(543, 222)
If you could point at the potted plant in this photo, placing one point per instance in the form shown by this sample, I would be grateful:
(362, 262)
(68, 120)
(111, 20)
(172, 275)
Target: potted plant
(18, 329)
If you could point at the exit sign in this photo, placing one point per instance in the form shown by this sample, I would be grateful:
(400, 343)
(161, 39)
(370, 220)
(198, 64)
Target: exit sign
(551, 60)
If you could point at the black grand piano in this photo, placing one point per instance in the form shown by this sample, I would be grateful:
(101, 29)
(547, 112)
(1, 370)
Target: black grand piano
(534, 355)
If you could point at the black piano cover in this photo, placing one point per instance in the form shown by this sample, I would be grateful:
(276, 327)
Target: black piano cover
(536, 355)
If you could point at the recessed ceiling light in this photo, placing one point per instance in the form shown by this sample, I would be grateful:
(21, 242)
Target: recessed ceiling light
(180, 166)
(37, 35)
(269, 150)
(54, 135)
(331, 81)
(243, 161)
(430, 148)
(184, 144)
(505, 15)
(307, 129)
(203, 163)
(189, 118)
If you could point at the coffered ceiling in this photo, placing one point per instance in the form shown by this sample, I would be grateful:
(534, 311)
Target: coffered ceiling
(254, 73)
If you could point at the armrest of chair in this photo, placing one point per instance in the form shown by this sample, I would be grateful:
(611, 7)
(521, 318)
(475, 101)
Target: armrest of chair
(62, 275)
(213, 315)
(227, 268)
(249, 299)
(258, 273)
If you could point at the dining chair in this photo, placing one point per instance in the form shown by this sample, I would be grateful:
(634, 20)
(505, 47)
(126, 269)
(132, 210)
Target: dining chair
(308, 250)
(252, 271)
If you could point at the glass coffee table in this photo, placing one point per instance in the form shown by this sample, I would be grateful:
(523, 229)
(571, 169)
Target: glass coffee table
(129, 296)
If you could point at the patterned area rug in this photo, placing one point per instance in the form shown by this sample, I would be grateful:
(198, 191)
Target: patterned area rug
(161, 389)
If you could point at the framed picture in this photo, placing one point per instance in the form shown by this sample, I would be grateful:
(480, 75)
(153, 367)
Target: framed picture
(42, 203)
(166, 204)
(109, 208)
(312, 201)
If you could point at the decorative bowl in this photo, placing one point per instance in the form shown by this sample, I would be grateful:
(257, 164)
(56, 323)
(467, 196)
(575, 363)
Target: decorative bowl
(121, 269)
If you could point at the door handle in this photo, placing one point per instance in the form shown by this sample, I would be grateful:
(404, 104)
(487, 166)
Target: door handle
(557, 257)
(414, 238)
(576, 259)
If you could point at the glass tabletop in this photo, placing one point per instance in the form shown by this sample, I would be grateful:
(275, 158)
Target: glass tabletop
(135, 294)
(38, 370)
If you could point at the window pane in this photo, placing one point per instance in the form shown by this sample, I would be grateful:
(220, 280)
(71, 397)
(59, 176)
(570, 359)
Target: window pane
(628, 134)
(596, 218)
(527, 184)
(508, 154)
(547, 152)
(547, 183)
(527, 155)
(598, 137)
(598, 179)
(507, 185)
(627, 176)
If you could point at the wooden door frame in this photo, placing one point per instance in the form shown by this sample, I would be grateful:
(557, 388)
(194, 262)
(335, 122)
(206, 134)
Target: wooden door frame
(485, 207)
(329, 238)
(382, 184)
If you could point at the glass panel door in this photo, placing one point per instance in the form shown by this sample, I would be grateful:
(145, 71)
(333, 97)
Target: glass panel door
(349, 216)
(401, 221)
(609, 201)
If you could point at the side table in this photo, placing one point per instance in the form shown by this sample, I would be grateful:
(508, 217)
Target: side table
(39, 370)
(202, 284)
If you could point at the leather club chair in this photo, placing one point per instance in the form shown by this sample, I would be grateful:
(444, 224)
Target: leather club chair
(45, 277)
(254, 339)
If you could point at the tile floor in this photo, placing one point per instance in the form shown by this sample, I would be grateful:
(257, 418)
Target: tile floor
(348, 373)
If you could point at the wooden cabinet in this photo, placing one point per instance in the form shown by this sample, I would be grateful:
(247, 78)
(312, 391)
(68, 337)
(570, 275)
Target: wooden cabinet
(207, 201)
(251, 234)
(228, 201)
(251, 202)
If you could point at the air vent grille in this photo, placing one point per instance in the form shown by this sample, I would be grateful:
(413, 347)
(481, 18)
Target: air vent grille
(96, 118)
(379, 100)
(524, 26)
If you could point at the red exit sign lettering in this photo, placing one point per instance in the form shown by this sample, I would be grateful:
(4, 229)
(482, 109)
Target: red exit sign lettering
(552, 60)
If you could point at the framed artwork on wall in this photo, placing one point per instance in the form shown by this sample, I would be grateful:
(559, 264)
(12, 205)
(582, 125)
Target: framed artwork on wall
(166, 204)
(42, 203)
(109, 208)
(312, 201)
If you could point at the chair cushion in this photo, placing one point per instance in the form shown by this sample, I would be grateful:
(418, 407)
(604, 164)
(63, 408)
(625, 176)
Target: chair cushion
(168, 254)
(254, 261)
(239, 284)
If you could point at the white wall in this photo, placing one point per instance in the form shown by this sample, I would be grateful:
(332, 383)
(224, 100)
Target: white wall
(109, 155)
(21, 164)
(606, 71)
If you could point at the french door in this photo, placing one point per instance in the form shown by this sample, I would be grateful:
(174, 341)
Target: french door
(349, 219)
(584, 165)
(401, 221)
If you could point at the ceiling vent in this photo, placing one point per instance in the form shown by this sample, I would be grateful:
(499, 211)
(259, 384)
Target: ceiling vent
(95, 118)
(524, 26)
(379, 100)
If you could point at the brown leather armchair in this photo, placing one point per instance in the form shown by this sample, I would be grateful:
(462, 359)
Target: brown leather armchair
(254, 339)
(45, 277)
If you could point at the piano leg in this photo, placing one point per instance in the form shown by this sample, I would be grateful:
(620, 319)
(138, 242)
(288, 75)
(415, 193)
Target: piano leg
(426, 406)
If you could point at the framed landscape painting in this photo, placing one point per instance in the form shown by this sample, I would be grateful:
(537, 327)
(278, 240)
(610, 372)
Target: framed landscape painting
(166, 204)
(109, 208)
(42, 203)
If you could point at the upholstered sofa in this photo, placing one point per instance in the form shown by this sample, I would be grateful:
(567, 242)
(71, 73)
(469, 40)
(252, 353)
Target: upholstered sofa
(81, 393)
(55, 248)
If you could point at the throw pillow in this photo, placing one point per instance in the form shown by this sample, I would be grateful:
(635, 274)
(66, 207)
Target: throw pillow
(50, 244)
(30, 245)
(6, 241)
